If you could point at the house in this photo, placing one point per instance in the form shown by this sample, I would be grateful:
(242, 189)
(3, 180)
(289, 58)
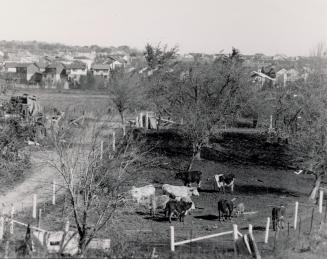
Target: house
(76, 69)
(23, 72)
(102, 70)
(55, 72)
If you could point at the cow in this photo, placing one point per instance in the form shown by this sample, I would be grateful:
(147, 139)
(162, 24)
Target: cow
(141, 193)
(278, 217)
(179, 191)
(225, 208)
(177, 207)
(189, 177)
(225, 180)
(186, 199)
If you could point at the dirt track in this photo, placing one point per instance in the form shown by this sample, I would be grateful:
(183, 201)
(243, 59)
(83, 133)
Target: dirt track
(39, 182)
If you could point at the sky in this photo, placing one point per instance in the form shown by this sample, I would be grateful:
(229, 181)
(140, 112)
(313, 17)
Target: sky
(291, 27)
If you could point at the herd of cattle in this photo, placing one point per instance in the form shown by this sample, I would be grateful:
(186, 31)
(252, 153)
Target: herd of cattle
(176, 200)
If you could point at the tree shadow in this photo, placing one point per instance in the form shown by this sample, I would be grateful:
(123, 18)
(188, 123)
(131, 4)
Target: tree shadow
(157, 218)
(258, 228)
(207, 217)
(259, 190)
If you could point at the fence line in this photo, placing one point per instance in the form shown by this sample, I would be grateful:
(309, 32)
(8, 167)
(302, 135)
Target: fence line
(173, 244)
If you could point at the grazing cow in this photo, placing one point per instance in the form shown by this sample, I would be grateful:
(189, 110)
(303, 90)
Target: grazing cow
(177, 207)
(225, 208)
(240, 209)
(225, 180)
(189, 177)
(179, 191)
(278, 217)
(142, 193)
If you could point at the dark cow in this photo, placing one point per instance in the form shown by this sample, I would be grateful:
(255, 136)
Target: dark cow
(177, 207)
(278, 217)
(225, 208)
(189, 177)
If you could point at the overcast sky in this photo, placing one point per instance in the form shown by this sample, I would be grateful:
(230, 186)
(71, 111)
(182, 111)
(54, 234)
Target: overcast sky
(292, 27)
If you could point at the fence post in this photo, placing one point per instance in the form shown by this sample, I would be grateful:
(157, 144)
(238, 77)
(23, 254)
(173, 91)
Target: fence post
(255, 247)
(321, 196)
(146, 120)
(113, 141)
(295, 214)
(172, 239)
(54, 192)
(34, 206)
(141, 119)
(267, 230)
(67, 226)
(137, 124)
(124, 130)
(12, 212)
(235, 237)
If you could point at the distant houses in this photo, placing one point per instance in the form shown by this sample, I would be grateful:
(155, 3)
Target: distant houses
(22, 72)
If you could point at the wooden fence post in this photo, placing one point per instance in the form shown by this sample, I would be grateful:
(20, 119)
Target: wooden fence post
(124, 130)
(295, 214)
(267, 230)
(2, 220)
(146, 120)
(54, 192)
(321, 197)
(137, 124)
(34, 206)
(141, 120)
(113, 141)
(67, 226)
(12, 212)
(101, 149)
(255, 247)
(235, 237)
(172, 239)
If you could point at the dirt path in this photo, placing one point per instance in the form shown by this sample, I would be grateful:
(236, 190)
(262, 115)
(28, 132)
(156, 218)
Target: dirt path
(39, 182)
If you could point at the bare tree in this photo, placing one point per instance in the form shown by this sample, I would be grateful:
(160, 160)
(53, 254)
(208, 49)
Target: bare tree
(203, 95)
(124, 90)
(91, 180)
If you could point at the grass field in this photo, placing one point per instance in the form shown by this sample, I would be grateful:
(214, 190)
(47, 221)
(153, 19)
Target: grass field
(135, 232)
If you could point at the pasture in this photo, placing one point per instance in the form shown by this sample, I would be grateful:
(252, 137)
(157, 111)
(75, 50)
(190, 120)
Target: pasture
(134, 232)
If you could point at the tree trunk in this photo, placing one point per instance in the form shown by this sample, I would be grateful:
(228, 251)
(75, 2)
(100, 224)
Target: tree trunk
(122, 117)
(315, 188)
(195, 156)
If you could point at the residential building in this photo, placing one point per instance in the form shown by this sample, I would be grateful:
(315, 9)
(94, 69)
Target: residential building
(55, 71)
(23, 72)
(76, 69)
(102, 70)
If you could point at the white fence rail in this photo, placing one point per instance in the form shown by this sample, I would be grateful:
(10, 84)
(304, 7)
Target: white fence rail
(173, 244)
